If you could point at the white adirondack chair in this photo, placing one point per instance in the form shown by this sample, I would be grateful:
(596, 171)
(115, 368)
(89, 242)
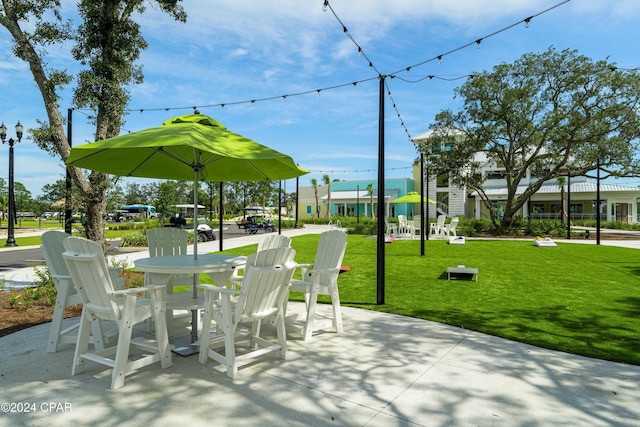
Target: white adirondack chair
(168, 241)
(88, 268)
(321, 278)
(268, 241)
(391, 227)
(436, 229)
(449, 230)
(260, 297)
(402, 225)
(417, 225)
(66, 295)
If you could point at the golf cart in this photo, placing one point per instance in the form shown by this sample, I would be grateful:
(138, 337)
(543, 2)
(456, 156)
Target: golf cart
(205, 232)
(255, 219)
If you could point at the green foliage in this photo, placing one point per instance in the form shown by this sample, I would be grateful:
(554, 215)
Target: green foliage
(135, 238)
(533, 117)
(24, 299)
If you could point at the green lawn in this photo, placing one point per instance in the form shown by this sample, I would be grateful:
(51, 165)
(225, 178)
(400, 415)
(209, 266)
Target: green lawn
(581, 299)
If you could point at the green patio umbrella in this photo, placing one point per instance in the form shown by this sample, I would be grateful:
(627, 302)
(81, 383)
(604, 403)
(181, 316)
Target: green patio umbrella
(412, 197)
(190, 147)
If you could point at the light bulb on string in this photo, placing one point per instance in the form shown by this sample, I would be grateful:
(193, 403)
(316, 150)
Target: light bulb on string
(325, 5)
(527, 22)
(440, 59)
(478, 43)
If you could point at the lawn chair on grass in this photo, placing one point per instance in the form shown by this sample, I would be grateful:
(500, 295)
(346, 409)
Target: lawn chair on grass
(449, 230)
(321, 278)
(436, 229)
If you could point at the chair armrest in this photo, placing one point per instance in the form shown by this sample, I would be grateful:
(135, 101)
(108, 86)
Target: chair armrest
(324, 271)
(138, 290)
(220, 289)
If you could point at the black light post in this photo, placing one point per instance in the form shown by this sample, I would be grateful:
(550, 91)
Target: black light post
(11, 241)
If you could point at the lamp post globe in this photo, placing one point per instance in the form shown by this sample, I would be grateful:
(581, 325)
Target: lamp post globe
(11, 241)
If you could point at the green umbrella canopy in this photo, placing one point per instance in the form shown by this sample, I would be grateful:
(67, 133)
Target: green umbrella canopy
(411, 197)
(183, 146)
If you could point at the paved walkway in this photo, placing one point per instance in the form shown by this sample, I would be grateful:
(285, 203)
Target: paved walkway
(385, 370)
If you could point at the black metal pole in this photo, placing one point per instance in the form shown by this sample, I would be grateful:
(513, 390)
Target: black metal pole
(297, 200)
(381, 243)
(426, 178)
(280, 207)
(211, 202)
(220, 220)
(67, 193)
(598, 203)
(358, 204)
(11, 241)
(422, 204)
(569, 205)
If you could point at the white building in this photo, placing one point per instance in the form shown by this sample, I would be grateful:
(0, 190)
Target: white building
(617, 202)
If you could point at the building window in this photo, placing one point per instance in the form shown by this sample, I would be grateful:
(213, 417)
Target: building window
(309, 209)
(537, 208)
(576, 208)
(442, 181)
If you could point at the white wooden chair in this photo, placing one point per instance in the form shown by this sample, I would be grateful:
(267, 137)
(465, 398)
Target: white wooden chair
(66, 295)
(88, 268)
(268, 241)
(321, 278)
(261, 297)
(417, 225)
(168, 241)
(436, 229)
(391, 227)
(402, 225)
(449, 230)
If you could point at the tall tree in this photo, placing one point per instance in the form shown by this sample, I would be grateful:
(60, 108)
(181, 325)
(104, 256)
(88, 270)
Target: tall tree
(327, 182)
(542, 115)
(314, 184)
(107, 45)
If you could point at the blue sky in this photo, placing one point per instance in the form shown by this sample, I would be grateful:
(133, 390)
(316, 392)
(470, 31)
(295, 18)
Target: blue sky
(234, 51)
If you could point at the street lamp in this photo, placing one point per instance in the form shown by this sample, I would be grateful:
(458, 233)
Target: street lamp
(11, 241)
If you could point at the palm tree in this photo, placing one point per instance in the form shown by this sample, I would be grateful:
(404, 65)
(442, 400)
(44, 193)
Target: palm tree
(370, 191)
(327, 181)
(314, 184)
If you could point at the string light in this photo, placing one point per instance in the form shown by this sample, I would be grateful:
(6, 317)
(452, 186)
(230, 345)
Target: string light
(325, 5)
(478, 43)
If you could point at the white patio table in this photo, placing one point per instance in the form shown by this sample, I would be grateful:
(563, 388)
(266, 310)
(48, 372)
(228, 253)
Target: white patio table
(161, 269)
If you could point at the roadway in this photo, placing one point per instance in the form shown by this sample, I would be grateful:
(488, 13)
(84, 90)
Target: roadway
(22, 257)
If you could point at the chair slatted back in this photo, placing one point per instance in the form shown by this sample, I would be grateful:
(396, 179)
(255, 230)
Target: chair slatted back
(52, 250)
(167, 241)
(331, 249)
(417, 222)
(86, 263)
(273, 240)
(265, 283)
